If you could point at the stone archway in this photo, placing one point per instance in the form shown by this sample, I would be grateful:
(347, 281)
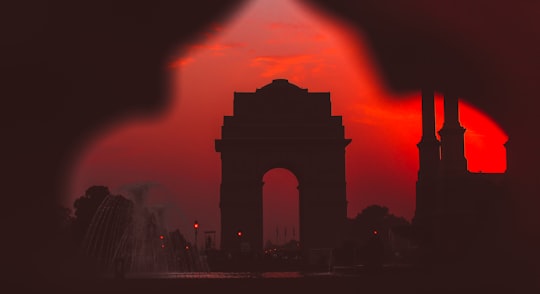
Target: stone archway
(280, 209)
(282, 126)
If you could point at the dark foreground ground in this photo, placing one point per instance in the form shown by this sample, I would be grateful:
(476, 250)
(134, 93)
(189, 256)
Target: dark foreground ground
(356, 281)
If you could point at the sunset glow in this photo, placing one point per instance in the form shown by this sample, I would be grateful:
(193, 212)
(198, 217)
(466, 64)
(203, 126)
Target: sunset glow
(266, 40)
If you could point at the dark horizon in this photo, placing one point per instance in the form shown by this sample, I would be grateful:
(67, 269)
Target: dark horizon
(272, 129)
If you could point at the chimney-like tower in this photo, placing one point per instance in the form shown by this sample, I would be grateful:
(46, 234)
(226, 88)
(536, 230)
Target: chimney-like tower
(429, 155)
(453, 160)
(428, 147)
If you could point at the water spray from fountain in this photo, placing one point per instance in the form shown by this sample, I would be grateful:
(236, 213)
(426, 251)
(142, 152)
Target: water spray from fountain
(127, 235)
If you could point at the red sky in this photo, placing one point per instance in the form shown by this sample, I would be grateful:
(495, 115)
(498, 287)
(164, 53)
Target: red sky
(265, 40)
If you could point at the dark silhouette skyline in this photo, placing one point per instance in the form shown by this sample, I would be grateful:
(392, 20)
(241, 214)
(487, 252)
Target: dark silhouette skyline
(456, 210)
(67, 69)
(172, 150)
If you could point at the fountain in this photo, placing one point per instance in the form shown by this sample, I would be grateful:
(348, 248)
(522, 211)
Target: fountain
(128, 236)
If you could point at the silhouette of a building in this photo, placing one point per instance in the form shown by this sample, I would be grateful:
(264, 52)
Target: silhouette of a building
(458, 213)
(282, 126)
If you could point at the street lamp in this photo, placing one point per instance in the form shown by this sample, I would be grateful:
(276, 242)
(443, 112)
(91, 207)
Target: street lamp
(162, 239)
(196, 230)
(239, 234)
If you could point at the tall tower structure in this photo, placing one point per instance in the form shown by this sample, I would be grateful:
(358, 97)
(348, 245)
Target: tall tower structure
(458, 191)
(428, 173)
(428, 149)
(453, 162)
(452, 204)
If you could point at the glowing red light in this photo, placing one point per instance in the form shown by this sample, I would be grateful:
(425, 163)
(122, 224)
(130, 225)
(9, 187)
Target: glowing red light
(161, 237)
(375, 232)
(196, 225)
(187, 247)
(162, 245)
(239, 233)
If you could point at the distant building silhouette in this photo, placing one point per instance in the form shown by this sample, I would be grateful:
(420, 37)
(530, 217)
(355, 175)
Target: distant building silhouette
(282, 126)
(458, 213)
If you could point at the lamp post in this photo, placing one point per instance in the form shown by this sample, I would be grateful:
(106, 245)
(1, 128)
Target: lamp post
(196, 230)
(239, 234)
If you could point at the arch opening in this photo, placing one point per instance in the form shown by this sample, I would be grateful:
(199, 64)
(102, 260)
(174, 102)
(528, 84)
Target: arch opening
(281, 209)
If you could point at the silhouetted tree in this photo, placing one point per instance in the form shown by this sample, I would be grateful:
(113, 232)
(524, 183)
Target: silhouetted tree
(373, 216)
(85, 208)
(369, 235)
(378, 217)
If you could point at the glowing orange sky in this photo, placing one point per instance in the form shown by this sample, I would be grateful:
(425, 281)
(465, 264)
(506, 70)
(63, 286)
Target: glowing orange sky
(270, 39)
